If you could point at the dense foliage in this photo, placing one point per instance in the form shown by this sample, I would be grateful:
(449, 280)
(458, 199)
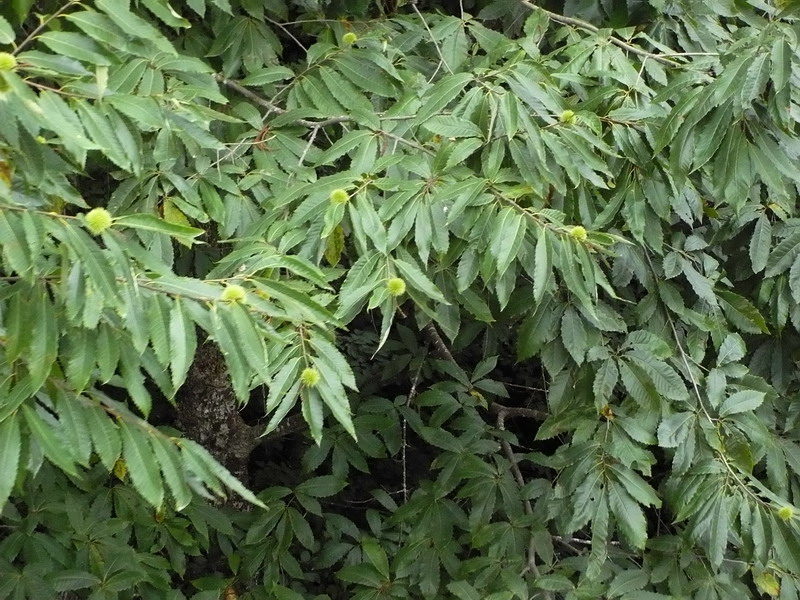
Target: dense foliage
(528, 275)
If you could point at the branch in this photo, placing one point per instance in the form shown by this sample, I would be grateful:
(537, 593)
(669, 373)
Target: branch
(502, 411)
(438, 343)
(239, 88)
(317, 125)
(413, 4)
(580, 24)
(514, 411)
(409, 399)
(501, 425)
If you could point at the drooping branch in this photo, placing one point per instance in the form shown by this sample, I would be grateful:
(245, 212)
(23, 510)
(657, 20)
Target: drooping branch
(586, 26)
(517, 473)
(317, 125)
(502, 412)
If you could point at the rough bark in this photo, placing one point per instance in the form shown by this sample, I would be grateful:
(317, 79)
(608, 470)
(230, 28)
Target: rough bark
(207, 412)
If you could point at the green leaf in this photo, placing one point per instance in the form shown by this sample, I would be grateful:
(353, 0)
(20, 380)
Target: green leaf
(6, 35)
(285, 402)
(440, 95)
(102, 133)
(630, 580)
(267, 75)
(731, 350)
(72, 579)
(183, 343)
(246, 331)
(376, 556)
(781, 63)
(311, 405)
(172, 470)
(637, 487)
(461, 150)
(463, 591)
(794, 279)
(14, 247)
(364, 74)
(334, 396)
(573, 334)
(783, 255)
(105, 436)
(200, 454)
(575, 283)
(300, 528)
(44, 336)
(666, 380)
(146, 222)
(508, 234)
(542, 267)
(282, 382)
(296, 302)
(712, 135)
(744, 401)
(553, 583)
(349, 96)
(10, 451)
(755, 80)
(628, 515)
(10, 401)
(76, 46)
(450, 126)
(141, 463)
(538, 328)
(362, 574)
(373, 226)
(787, 544)
(74, 426)
(50, 444)
(157, 321)
(337, 363)
(321, 487)
(185, 286)
(742, 313)
(674, 429)
(416, 278)
(162, 10)
(605, 381)
(134, 25)
(144, 111)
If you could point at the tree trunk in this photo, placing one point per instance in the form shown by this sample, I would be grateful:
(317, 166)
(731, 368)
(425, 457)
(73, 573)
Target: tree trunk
(207, 412)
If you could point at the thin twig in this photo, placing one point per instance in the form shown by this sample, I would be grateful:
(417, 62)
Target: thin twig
(515, 470)
(409, 143)
(42, 25)
(698, 394)
(524, 387)
(237, 87)
(61, 92)
(310, 143)
(502, 411)
(289, 33)
(681, 350)
(413, 4)
(673, 54)
(580, 24)
(412, 393)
